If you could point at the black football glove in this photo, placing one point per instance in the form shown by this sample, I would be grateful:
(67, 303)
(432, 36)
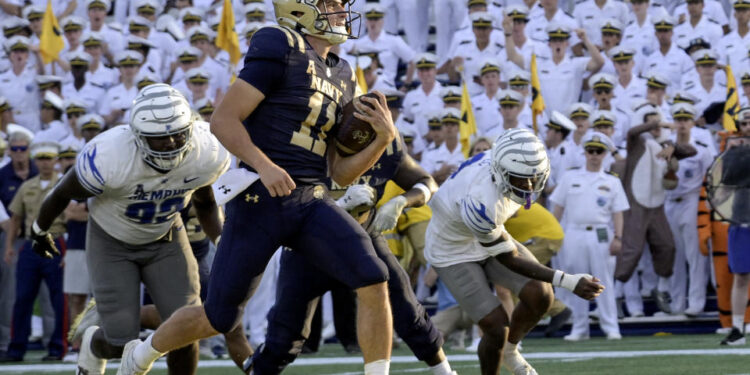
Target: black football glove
(42, 242)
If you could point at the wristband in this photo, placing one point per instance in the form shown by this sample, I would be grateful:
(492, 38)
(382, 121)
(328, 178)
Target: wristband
(566, 281)
(37, 230)
(425, 191)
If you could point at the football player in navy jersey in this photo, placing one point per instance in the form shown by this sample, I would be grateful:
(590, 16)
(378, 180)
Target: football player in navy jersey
(276, 119)
(288, 320)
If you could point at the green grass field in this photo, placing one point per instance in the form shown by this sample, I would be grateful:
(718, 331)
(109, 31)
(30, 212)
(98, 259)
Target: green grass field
(640, 355)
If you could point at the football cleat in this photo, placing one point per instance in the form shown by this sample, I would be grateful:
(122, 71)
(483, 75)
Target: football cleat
(514, 361)
(128, 365)
(88, 363)
(87, 318)
(734, 338)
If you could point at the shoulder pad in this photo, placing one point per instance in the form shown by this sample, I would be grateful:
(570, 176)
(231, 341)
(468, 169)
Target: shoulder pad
(613, 174)
(465, 42)
(699, 143)
(275, 35)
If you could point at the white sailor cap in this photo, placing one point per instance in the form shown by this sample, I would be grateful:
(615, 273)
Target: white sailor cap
(148, 7)
(191, 14)
(517, 11)
(139, 23)
(509, 97)
(602, 81)
(594, 138)
(146, 78)
(683, 110)
(46, 81)
(519, 77)
(558, 30)
(558, 121)
(44, 149)
(621, 53)
(75, 106)
(656, 79)
(187, 54)
(426, 60)
(128, 58)
(17, 42)
(611, 25)
(102, 4)
(90, 121)
(15, 128)
(33, 12)
(489, 64)
(251, 28)
(255, 10)
(136, 42)
(579, 109)
(52, 100)
(481, 19)
(704, 57)
(200, 32)
(451, 94)
(78, 58)
(72, 23)
(204, 106)
(374, 11)
(451, 115)
(603, 117)
(69, 147)
(197, 75)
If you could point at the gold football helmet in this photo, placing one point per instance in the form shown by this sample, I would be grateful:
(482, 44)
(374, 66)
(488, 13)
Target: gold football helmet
(305, 17)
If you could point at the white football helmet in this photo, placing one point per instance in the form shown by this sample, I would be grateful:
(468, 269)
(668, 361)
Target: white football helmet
(304, 16)
(520, 166)
(160, 111)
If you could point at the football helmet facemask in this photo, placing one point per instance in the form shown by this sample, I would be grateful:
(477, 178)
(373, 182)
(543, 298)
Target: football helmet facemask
(306, 17)
(520, 166)
(162, 123)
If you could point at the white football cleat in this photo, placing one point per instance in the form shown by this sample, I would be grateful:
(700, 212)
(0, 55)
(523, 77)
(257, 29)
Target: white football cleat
(88, 363)
(514, 361)
(128, 365)
(87, 318)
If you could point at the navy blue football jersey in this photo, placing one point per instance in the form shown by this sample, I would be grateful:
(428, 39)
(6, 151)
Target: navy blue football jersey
(304, 97)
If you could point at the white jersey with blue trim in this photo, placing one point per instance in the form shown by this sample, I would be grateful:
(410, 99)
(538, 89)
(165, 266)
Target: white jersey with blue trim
(468, 216)
(134, 202)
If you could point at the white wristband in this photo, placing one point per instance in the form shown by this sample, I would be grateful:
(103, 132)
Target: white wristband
(425, 191)
(557, 277)
(567, 281)
(37, 230)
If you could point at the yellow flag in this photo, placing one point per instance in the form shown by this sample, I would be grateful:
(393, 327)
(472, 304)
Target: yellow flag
(732, 105)
(50, 41)
(537, 102)
(361, 82)
(468, 126)
(226, 38)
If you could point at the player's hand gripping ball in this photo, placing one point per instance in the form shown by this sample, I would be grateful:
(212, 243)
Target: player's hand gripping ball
(354, 134)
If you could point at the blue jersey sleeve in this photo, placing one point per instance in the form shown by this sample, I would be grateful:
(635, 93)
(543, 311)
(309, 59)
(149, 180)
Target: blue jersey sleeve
(266, 59)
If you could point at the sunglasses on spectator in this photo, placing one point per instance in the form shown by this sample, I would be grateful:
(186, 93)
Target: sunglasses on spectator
(592, 151)
(602, 91)
(19, 148)
(744, 123)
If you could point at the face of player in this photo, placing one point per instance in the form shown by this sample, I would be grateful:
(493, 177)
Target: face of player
(491, 81)
(608, 130)
(337, 21)
(610, 40)
(19, 151)
(482, 33)
(19, 57)
(168, 142)
(427, 75)
(624, 68)
(695, 8)
(594, 157)
(481, 146)
(683, 126)
(510, 112)
(46, 166)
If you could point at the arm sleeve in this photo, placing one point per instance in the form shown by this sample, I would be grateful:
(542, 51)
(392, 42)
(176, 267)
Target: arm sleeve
(89, 167)
(265, 61)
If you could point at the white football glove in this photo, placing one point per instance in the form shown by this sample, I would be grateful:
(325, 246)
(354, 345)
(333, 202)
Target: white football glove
(357, 195)
(388, 214)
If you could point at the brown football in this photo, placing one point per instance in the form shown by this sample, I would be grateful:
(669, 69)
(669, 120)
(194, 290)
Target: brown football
(354, 134)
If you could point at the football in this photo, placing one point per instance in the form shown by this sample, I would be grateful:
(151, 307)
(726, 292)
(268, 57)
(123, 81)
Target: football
(354, 134)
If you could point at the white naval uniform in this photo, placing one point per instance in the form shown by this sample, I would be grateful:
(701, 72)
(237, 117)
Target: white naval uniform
(412, 16)
(466, 34)
(536, 28)
(590, 199)
(636, 90)
(115, 39)
(23, 96)
(118, 97)
(468, 210)
(486, 112)
(639, 37)
(103, 77)
(674, 65)
(561, 83)
(732, 50)
(473, 58)
(448, 17)
(133, 201)
(681, 208)
(718, 93)
(589, 16)
(706, 28)
(417, 104)
(434, 160)
(391, 49)
(55, 131)
(711, 9)
(89, 93)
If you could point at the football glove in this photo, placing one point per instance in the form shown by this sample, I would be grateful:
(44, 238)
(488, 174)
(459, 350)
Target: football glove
(357, 195)
(42, 242)
(388, 214)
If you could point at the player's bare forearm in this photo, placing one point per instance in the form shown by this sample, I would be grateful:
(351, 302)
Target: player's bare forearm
(526, 267)
(208, 213)
(226, 123)
(408, 175)
(56, 202)
(344, 170)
